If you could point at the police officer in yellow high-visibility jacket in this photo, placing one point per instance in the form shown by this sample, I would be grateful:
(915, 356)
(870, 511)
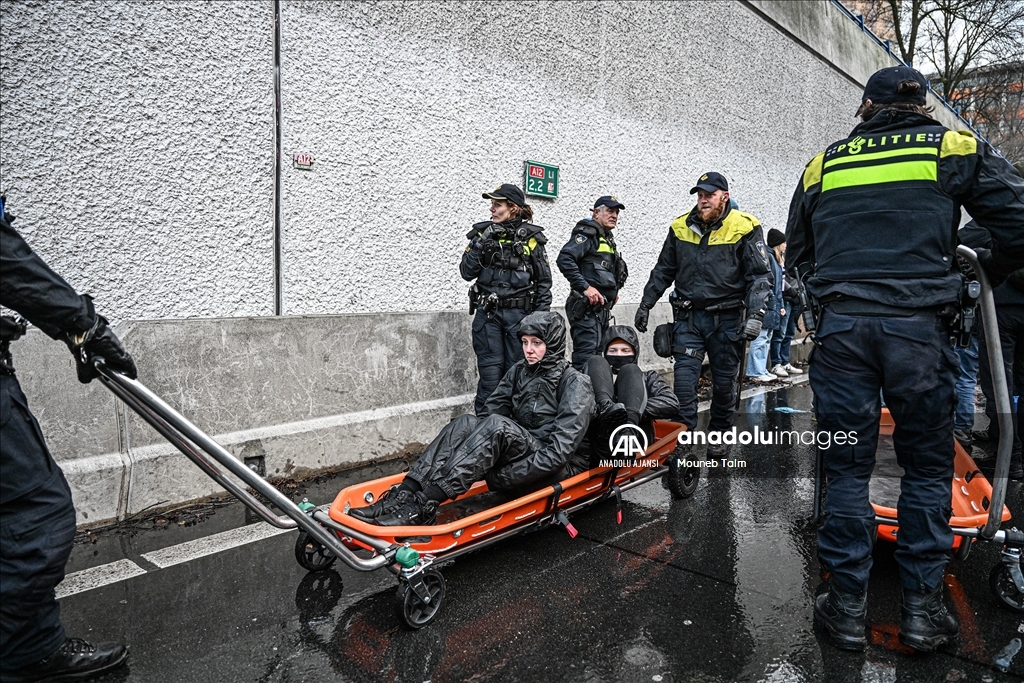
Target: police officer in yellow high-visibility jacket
(718, 260)
(873, 226)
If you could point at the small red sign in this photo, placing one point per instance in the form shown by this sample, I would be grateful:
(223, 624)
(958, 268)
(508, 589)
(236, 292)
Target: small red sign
(303, 161)
(536, 171)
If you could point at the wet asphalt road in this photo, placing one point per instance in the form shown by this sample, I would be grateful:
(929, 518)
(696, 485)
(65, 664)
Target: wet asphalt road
(717, 587)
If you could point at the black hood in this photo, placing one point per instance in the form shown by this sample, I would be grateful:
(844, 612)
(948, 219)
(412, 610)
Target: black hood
(626, 334)
(550, 327)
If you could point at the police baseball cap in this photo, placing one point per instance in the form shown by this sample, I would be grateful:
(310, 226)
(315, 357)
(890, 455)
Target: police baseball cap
(610, 202)
(709, 182)
(883, 86)
(508, 192)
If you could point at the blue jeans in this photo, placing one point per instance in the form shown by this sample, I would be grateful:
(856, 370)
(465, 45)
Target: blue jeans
(757, 356)
(781, 342)
(965, 385)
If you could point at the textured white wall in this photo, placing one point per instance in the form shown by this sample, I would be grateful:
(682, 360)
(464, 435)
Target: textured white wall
(137, 138)
(136, 149)
(413, 109)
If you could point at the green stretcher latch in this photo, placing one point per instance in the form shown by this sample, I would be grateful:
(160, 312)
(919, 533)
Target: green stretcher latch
(407, 557)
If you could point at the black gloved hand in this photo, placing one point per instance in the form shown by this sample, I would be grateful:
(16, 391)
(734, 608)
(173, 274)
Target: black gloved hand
(751, 328)
(985, 259)
(643, 313)
(99, 342)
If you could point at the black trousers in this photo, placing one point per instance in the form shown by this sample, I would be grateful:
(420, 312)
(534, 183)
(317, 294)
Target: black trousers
(497, 346)
(627, 388)
(911, 360)
(37, 529)
(587, 336)
(467, 449)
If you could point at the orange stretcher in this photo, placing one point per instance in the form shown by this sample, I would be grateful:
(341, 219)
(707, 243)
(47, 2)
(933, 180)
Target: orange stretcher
(475, 519)
(972, 492)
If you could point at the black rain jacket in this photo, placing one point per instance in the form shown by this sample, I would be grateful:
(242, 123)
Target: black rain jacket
(875, 215)
(722, 263)
(551, 400)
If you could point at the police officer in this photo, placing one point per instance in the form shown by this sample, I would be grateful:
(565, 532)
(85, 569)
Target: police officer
(37, 517)
(596, 272)
(506, 257)
(717, 258)
(872, 227)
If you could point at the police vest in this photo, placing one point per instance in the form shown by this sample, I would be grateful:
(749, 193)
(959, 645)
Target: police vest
(881, 213)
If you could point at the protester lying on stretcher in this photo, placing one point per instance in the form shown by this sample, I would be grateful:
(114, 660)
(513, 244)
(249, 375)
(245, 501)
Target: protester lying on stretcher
(624, 394)
(530, 426)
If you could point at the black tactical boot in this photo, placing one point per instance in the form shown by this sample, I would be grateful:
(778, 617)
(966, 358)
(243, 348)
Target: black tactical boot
(926, 623)
(75, 660)
(842, 615)
(415, 510)
(387, 501)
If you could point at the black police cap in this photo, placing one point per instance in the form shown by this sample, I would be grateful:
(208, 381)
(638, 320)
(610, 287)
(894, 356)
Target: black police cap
(508, 192)
(883, 86)
(709, 182)
(609, 201)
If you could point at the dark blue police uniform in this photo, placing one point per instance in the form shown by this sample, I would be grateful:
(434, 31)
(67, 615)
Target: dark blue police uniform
(37, 517)
(873, 226)
(513, 278)
(591, 259)
(721, 273)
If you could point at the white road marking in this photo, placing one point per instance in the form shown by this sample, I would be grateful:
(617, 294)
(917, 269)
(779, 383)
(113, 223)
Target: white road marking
(95, 577)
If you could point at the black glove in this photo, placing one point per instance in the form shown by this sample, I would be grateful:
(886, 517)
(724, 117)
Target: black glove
(985, 259)
(751, 328)
(99, 342)
(643, 312)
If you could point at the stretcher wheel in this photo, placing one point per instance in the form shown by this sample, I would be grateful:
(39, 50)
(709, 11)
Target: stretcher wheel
(312, 555)
(413, 612)
(682, 481)
(1004, 588)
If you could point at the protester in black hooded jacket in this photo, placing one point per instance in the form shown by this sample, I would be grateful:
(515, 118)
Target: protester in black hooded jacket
(531, 425)
(624, 394)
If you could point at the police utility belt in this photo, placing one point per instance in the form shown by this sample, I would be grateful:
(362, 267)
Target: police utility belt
(489, 302)
(681, 310)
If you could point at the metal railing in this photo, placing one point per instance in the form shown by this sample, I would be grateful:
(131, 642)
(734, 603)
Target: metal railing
(887, 46)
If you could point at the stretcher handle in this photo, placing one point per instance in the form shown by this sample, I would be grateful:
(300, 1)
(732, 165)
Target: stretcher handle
(193, 442)
(999, 388)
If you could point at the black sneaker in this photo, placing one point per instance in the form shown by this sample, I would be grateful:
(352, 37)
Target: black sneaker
(926, 622)
(387, 502)
(75, 660)
(416, 510)
(964, 437)
(614, 415)
(843, 616)
(980, 435)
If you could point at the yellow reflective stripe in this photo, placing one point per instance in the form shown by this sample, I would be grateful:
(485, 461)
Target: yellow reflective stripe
(958, 143)
(812, 173)
(530, 245)
(883, 173)
(604, 247)
(907, 151)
